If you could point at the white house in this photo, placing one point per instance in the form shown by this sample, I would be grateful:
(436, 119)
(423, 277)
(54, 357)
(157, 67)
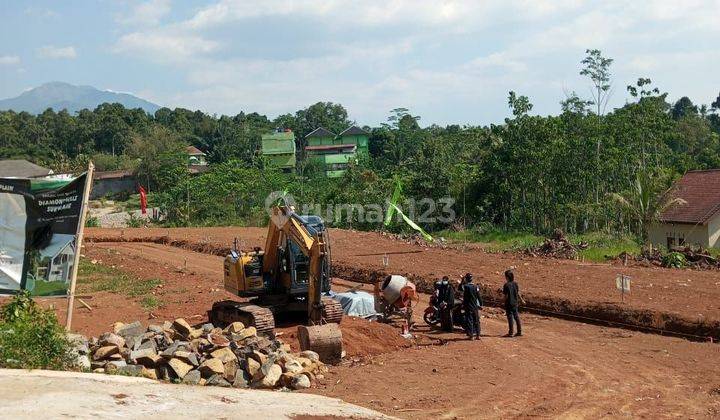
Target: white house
(56, 260)
(698, 221)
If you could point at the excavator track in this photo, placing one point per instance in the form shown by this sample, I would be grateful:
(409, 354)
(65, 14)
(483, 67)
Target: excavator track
(228, 311)
(332, 310)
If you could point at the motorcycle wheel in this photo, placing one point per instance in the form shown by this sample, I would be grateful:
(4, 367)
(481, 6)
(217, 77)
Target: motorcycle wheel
(430, 319)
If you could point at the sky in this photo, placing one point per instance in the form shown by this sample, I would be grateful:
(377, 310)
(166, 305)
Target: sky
(448, 61)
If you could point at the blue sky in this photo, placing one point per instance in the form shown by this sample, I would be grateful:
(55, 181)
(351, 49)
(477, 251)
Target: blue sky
(449, 61)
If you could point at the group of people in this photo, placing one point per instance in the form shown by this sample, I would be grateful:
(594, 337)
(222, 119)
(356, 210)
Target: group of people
(467, 297)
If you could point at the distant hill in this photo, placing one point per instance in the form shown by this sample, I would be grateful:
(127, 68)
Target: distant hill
(59, 96)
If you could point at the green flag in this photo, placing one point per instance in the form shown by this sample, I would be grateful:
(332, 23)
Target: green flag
(393, 203)
(411, 223)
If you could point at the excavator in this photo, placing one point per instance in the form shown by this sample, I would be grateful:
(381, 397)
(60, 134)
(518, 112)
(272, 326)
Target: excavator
(290, 274)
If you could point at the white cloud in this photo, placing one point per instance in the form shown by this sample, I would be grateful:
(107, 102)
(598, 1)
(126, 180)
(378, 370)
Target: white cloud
(51, 51)
(9, 60)
(147, 13)
(165, 46)
(444, 58)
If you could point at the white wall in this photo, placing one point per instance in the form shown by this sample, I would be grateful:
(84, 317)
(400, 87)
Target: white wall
(693, 234)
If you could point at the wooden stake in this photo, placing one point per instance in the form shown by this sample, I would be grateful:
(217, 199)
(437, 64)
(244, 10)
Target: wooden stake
(78, 244)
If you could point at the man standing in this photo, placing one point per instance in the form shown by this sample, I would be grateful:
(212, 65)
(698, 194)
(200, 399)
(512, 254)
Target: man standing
(472, 302)
(512, 298)
(446, 295)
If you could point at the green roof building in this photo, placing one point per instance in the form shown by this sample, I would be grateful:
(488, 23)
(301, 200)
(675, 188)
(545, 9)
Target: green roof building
(336, 152)
(357, 136)
(278, 148)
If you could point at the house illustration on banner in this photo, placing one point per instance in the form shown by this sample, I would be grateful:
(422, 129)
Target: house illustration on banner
(56, 260)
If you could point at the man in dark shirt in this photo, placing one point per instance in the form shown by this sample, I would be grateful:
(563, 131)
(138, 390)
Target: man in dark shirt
(512, 298)
(446, 295)
(472, 302)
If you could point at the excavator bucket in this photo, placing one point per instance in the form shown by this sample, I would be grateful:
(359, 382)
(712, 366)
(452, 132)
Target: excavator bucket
(325, 340)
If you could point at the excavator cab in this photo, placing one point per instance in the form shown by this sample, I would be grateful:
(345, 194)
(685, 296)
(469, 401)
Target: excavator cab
(290, 275)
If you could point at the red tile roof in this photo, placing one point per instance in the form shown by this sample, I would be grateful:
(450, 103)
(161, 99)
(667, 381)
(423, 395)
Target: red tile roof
(192, 150)
(701, 191)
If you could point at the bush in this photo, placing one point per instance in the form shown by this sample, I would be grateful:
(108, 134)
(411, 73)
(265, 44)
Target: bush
(31, 337)
(92, 221)
(674, 260)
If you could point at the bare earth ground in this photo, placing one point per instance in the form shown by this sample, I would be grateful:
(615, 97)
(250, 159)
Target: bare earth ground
(559, 369)
(693, 295)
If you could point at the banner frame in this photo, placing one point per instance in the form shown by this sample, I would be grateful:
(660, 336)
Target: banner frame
(78, 242)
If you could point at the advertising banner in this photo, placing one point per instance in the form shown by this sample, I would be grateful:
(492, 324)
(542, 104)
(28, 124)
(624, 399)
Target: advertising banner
(39, 220)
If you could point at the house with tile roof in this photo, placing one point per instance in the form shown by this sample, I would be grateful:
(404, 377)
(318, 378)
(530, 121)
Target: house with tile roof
(334, 152)
(697, 220)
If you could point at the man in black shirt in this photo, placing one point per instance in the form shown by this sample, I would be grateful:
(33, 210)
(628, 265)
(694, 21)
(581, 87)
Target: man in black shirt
(472, 302)
(512, 298)
(446, 301)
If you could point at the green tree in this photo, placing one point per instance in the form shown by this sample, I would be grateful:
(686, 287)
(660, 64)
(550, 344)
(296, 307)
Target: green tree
(597, 68)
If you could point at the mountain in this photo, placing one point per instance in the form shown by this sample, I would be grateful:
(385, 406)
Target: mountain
(59, 95)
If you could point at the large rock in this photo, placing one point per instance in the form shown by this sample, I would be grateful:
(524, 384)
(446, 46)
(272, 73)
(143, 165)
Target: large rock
(231, 368)
(179, 367)
(271, 376)
(300, 382)
(142, 353)
(131, 330)
(175, 346)
(192, 378)
(242, 379)
(182, 327)
(234, 328)
(309, 354)
(187, 357)
(211, 367)
(149, 373)
(148, 344)
(293, 366)
(253, 367)
(245, 333)
(217, 380)
(224, 354)
(105, 352)
(111, 339)
(131, 370)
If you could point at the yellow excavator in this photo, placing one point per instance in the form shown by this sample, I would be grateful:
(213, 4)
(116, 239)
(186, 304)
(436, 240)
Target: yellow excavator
(291, 274)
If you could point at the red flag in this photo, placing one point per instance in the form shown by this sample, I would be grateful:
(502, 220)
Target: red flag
(143, 200)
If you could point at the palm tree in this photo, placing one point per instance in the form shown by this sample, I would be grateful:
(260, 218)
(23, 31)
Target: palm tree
(644, 202)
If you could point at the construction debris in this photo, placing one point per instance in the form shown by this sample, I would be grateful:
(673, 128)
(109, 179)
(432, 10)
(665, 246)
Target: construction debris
(678, 257)
(557, 246)
(178, 352)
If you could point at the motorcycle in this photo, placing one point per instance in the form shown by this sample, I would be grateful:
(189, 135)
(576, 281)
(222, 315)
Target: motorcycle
(433, 315)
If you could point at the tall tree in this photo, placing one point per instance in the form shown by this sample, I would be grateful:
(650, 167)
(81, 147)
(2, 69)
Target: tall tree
(597, 68)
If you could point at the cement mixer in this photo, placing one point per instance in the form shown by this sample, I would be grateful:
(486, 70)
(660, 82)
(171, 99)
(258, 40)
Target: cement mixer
(394, 297)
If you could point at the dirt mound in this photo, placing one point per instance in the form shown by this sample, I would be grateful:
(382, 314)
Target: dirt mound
(366, 338)
(557, 246)
(361, 338)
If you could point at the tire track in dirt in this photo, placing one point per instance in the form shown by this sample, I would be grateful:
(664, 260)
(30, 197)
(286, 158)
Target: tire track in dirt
(648, 320)
(559, 369)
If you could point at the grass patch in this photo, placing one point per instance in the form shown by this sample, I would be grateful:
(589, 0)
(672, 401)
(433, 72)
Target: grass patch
(101, 278)
(150, 302)
(600, 244)
(31, 337)
(50, 288)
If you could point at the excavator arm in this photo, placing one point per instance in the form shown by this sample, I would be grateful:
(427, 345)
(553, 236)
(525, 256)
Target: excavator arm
(285, 223)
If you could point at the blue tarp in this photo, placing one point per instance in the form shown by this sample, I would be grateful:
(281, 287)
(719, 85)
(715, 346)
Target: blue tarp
(356, 303)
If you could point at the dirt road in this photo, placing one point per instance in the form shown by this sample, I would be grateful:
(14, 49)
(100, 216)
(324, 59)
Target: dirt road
(559, 369)
(684, 300)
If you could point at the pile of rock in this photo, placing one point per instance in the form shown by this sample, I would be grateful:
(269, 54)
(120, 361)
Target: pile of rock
(176, 351)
